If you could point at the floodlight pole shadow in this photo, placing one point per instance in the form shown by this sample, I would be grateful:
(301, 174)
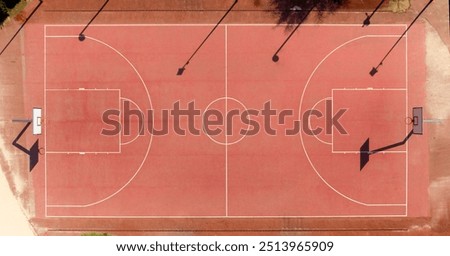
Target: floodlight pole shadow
(81, 36)
(374, 70)
(21, 27)
(183, 68)
(365, 151)
(275, 57)
(33, 152)
(417, 122)
(366, 22)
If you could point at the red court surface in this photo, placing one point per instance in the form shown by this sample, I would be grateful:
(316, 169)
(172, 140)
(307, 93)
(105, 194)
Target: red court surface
(66, 118)
(85, 174)
(378, 114)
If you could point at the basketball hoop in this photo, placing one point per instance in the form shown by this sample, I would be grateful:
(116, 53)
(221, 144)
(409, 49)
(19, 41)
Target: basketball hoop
(409, 120)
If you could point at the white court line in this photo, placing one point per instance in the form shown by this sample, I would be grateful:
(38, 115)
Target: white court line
(81, 89)
(229, 217)
(226, 129)
(369, 89)
(120, 111)
(62, 36)
(407, 114)
(332, 128)
(309, 123)
(230, 25)
(148, 147)
(357, 152)
(45, 125)
(83, 152)
(141, 129)
(301, 134)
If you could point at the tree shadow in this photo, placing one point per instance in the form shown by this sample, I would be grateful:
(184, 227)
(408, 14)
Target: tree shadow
(293, 12)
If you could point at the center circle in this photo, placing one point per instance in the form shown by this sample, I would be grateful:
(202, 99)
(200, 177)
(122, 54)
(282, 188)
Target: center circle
(231, 125)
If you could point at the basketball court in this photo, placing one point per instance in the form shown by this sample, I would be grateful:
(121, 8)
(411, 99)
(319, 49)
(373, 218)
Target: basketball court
(82, 173)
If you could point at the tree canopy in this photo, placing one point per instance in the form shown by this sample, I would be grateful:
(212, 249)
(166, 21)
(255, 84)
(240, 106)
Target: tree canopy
(3, 15)
(5, 6)
(10, 3)
(295, 11)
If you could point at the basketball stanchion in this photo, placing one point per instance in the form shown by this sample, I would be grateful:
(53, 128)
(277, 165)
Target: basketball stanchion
(35, 150)
(183, 68)
(21, 27)
(374, 70)
(366, 22)
(416, 121)
(275, 57)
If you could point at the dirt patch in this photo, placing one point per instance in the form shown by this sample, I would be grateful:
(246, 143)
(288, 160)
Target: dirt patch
(17, 196)
(399, 6)
(438, 61)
